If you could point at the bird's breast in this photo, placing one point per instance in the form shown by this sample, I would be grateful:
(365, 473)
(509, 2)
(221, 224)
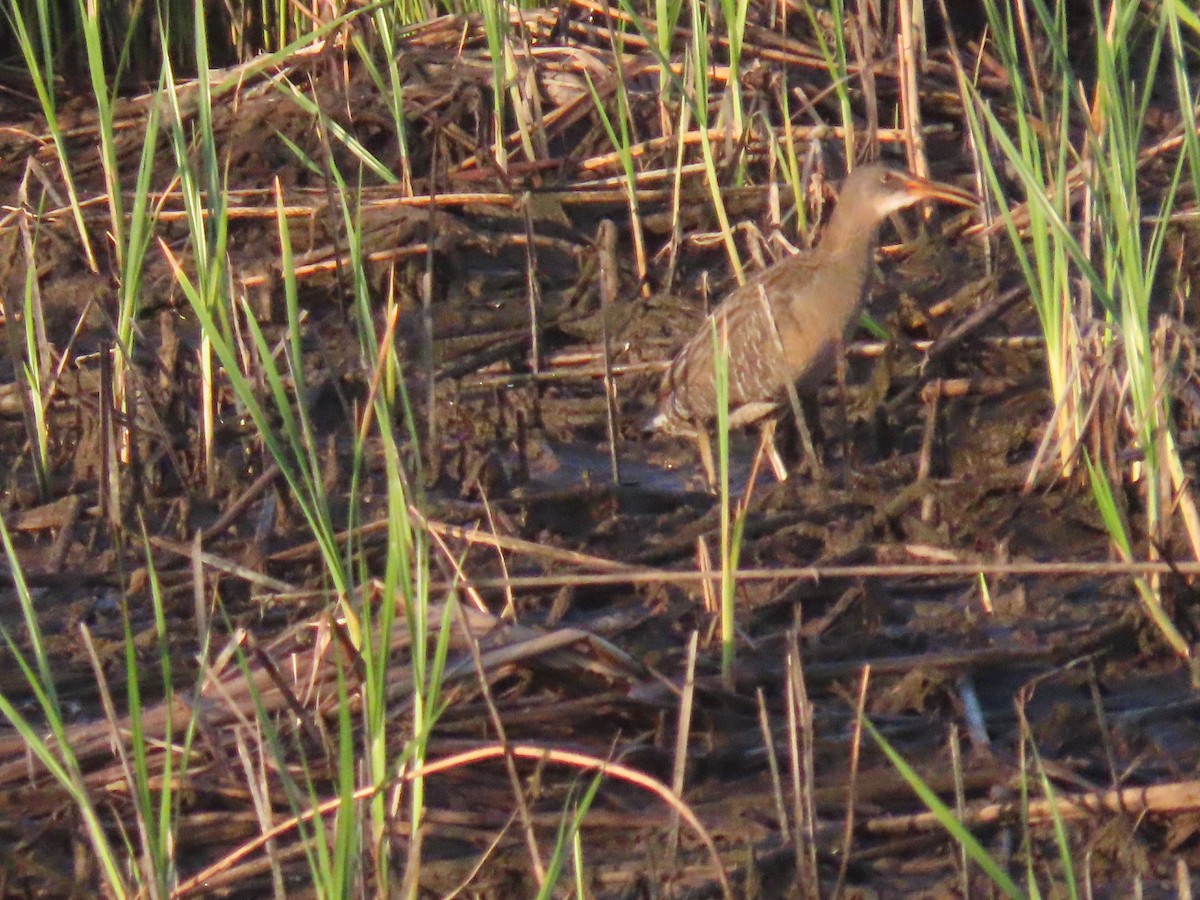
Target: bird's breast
(814, 322)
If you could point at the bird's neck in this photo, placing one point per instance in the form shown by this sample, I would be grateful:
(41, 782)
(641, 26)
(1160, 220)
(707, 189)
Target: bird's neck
(849, 236)
(846, 249)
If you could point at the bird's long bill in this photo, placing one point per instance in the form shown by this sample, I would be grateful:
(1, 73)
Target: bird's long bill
(918, 188)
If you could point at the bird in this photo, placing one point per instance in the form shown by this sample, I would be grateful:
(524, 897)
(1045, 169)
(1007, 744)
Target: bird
(785, 325)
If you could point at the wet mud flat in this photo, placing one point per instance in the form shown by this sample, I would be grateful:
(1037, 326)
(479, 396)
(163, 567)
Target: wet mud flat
(908, 579)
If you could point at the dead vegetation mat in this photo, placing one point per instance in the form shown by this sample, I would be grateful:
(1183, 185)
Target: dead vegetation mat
(577, 596)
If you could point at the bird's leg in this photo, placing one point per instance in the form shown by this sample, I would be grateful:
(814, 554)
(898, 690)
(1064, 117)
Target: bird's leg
(801, 426)
(766, 447)
(806, 439)
(706, 459)
(844, 410)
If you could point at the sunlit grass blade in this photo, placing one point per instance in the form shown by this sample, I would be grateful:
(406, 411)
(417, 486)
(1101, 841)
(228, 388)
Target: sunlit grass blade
(495, 27)
(154, 792)
(946, 817)
(1062, 840)
(789, 163)
(55, 753)
(729, 546)
(336, 130)
(290, 453)
(568, 840)
(90, 24)
(696, 95)
(392, 90)
(40, 68)
(834, 53)
(205, 209)
(35, 365)
(622, 139)
(406, 582)
(1114, 523)
(666, 19)
(1175, 15)
(733, 20)
(140, 233)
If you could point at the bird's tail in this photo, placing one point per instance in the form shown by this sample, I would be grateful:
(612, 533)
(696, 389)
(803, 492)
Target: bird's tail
(656, 422)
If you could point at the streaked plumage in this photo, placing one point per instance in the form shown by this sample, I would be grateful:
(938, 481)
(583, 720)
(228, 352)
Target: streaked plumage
(786, 323)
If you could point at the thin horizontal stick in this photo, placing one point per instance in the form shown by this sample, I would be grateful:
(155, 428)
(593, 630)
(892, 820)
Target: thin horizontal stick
(818, 573)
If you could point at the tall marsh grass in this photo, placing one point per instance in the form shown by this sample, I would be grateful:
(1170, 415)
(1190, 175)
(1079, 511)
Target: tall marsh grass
(237, 360)
(1090, 248)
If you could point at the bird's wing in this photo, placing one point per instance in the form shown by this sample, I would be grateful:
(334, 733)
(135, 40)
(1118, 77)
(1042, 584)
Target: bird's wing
(756, 362)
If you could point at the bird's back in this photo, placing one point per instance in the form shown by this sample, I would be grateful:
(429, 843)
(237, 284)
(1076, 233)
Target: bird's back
(778, 330)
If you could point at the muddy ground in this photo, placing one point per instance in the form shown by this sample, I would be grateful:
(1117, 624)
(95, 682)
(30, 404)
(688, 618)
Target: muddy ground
(925, 451)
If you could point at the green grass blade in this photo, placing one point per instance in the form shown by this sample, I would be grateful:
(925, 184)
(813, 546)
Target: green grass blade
(946, 817)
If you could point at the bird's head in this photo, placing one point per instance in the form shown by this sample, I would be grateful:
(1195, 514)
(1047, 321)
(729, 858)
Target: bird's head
(873, 192)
